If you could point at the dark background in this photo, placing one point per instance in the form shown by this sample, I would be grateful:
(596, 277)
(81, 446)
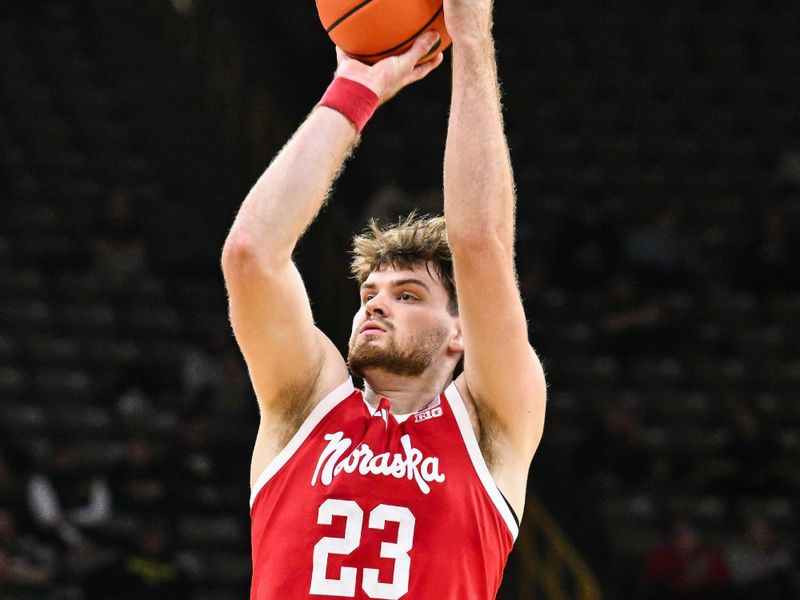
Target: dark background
(656, 148)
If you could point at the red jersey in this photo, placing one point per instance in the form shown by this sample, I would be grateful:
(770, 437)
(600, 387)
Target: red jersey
(363, 504)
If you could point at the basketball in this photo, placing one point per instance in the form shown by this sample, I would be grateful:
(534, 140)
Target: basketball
(369, 30)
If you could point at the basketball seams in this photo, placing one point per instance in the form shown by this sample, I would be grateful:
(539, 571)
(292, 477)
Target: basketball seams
(346, 15)
(406, 41)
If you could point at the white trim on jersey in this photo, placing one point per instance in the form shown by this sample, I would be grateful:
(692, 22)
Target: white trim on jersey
(468, 434)
(398, 418)
(320, 410)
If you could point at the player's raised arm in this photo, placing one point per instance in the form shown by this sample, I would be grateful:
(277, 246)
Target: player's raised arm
(287, 356)
(501, 371)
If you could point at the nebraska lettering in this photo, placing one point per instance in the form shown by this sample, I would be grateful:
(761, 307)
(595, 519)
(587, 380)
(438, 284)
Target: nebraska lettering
(409, 464)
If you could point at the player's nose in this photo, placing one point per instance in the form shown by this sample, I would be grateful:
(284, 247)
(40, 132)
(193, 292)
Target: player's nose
(377, 306)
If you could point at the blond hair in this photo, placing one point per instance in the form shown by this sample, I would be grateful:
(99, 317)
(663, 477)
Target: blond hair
(413, 240)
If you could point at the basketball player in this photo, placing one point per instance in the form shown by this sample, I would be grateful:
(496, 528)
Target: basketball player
(412, 487)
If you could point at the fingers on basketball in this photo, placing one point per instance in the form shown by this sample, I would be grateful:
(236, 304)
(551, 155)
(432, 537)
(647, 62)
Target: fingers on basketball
(423, 45)
(422, 69)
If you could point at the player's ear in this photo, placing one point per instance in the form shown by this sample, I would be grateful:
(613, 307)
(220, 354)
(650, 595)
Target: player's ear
(456, 344)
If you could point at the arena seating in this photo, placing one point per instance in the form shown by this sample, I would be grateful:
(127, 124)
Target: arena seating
(656, 149)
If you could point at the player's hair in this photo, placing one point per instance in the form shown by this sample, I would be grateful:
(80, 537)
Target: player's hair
(412, 240)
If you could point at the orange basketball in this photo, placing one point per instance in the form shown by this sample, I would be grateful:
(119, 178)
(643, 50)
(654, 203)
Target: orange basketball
(370, 30)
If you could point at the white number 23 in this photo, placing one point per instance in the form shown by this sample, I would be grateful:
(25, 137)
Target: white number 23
(345, 584)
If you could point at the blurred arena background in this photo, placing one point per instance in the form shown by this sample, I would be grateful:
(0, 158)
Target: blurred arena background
(657, 154)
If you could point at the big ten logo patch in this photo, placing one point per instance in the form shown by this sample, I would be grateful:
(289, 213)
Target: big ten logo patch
(430, 413)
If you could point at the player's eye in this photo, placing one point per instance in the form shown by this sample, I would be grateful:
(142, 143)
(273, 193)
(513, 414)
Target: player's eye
(405, 297)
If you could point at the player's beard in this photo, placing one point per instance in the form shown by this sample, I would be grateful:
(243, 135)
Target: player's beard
(412, 360)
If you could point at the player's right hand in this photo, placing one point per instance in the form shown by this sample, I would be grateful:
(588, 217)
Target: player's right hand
(389, 75)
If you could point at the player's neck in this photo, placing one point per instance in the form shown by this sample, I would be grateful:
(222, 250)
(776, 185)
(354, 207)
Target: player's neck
(406, 394)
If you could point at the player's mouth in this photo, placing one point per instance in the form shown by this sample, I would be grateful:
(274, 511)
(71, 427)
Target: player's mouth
(372, 332)
(372, 328)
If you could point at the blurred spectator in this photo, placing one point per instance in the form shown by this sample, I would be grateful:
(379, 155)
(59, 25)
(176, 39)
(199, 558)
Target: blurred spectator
(147, 571)
(760, 567)
(687, 567)
(65, 501)
(24, 562)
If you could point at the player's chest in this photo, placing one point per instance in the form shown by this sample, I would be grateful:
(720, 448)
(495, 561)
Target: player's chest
(416, 456)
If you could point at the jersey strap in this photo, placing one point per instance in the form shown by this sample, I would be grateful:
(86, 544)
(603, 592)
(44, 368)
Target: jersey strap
(465, 426)
(325, 406)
